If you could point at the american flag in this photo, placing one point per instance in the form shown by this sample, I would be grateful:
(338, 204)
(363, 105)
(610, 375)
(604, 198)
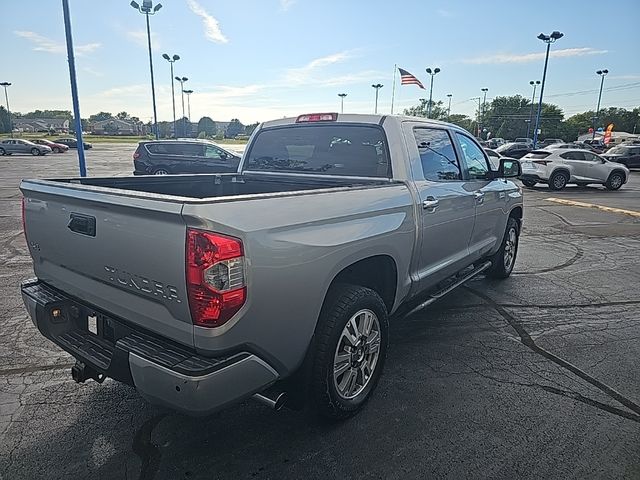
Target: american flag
(407, 79)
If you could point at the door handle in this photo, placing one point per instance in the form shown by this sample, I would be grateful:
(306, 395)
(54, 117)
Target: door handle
(430, 204)
(479, 196)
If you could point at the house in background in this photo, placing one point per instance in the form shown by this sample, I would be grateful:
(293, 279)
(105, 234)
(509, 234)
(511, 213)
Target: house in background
(44, 125)
(116, 126)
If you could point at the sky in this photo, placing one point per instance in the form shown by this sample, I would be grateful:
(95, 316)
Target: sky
(262, 59)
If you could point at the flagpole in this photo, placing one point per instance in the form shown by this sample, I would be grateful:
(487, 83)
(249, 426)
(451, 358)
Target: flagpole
(393, 90)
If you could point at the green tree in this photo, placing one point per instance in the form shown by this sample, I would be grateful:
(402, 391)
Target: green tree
(47, 114)
(202, 135)
(234, 128)
(100, 116)
(462, 121)
(438, 110)
(122, 115)
(4, 120)
(207, 126)
(248, 130)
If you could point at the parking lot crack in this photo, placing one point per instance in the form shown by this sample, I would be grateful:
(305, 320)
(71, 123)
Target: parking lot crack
(528, 341)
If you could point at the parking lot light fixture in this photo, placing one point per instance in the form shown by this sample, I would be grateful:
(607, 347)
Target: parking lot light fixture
(484, 103)
(548, 39)
(182, 80)
(342, 95)
(147, 8)
(534, 84)
(172, 60)
(6, 98)
(188, 93)
(433, 73)
(449, 108)
(377, 87)
(602, 73)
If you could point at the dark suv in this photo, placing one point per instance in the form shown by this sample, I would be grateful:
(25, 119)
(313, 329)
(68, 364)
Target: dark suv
(628, 155)
(164, 157)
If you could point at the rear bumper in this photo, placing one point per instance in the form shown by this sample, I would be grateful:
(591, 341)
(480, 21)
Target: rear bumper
(163, 372)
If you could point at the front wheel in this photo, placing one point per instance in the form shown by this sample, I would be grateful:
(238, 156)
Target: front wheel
(56, 150)
(35, 152)
(505, 258)
(350, 349)
(161, 171)
(615, 181)
(529, 183)
(2, 152)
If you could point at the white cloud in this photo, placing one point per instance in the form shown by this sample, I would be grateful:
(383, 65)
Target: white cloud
(211, 25)
(140, 38)
(533, 57)
(303, 75)
(93, 71)
(286, 4)
(44, 44)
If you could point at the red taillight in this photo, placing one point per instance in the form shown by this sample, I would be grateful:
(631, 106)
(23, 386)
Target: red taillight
(136, 155)
(215, 277)
(317, 117)
(541, 162)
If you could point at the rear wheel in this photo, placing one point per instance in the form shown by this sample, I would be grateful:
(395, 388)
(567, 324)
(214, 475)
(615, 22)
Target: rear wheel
(35, 151)
(558, 181)
(505, 258)
(350, 349)
(615, 181)
(161, 171)
(529, 183)
(2, 152)
(56, 150)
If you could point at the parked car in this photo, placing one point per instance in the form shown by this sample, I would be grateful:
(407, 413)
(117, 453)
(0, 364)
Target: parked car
(494, 143)
(163, 157)
(550, 141)
(72, 143)
(55, 147)
(569, 146)
(597, 145)
(559, 167)
(514, 150)
(293, 264)
(494, 158)
(528, 141)
(627, 155)
(9, 146)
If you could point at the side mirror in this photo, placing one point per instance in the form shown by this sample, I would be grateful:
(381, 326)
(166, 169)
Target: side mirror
(509, 168)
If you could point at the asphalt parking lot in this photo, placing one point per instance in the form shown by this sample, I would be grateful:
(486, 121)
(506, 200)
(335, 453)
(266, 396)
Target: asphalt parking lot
(533, 377)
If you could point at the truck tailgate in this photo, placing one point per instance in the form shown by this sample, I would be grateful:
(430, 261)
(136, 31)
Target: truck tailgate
(121, 254)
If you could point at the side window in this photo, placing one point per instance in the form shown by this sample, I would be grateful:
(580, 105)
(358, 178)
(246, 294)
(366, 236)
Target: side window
(476, 162)
(438, 158)
(215, 153)
(590, 157)
(573, 156)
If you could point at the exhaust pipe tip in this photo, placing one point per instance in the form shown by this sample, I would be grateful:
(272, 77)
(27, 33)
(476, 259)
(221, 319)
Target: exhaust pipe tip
(274, 403)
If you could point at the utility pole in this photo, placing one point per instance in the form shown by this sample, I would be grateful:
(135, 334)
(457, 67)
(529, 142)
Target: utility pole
(342, 95)
(377, 87)
(602, 73)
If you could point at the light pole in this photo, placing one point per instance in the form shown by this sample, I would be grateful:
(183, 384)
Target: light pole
(188, 92)
(6, 97)
(182, 80)
(449, 108)
(484, 104)
(548, 39)
(602, 73)
(478, 115)
(533, 99)
(172, 60)
(433, 73)
(342, 95)
(377, 87)
(147, 9)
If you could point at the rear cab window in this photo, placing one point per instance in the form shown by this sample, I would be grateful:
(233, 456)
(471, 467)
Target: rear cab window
(336, 149)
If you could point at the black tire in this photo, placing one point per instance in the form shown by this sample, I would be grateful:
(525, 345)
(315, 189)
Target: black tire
(2, 152)
(342, 303)
(161, 171)
(615, 181)
(529, 183)
(35, 152)
(56, 150)
(558, 181)
(499, 267)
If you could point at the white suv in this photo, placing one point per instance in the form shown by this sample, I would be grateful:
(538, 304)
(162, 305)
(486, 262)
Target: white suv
(558, 167)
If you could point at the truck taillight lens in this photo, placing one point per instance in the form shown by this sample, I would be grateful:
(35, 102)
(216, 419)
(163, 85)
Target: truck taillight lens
(215, 277)
(136, 155)
(24, 217)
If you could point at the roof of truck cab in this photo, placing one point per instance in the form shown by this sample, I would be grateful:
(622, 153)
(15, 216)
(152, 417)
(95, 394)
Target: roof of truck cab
(357, 118)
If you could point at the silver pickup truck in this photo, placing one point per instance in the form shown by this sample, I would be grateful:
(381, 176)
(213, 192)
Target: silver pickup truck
(275, 282)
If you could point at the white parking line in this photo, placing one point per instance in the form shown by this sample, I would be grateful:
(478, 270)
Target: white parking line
(573, 203)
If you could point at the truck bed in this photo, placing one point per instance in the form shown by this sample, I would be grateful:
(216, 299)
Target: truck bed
(223, 185)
